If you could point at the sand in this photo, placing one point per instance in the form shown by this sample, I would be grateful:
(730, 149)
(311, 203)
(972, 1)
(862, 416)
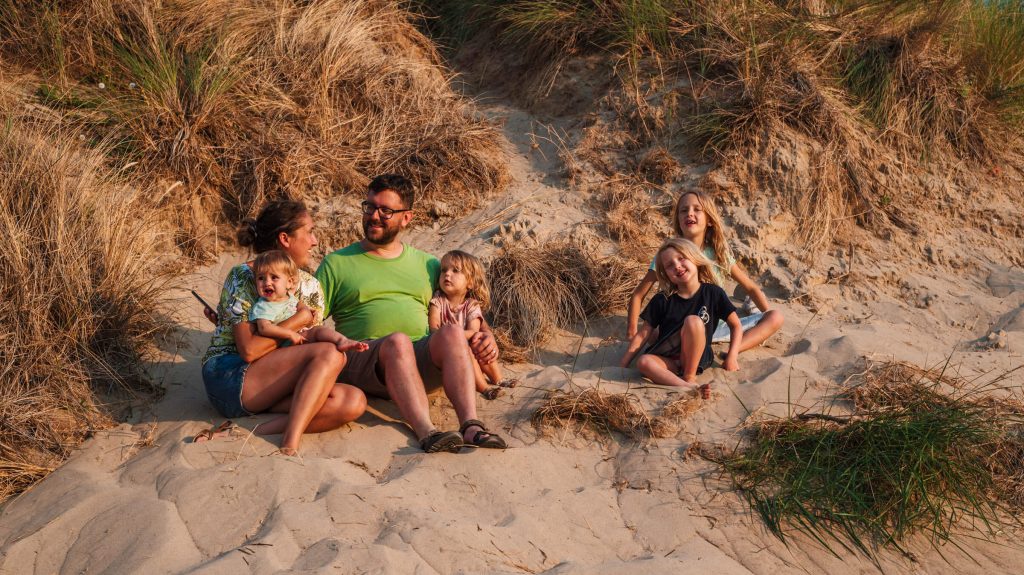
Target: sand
(141, 498)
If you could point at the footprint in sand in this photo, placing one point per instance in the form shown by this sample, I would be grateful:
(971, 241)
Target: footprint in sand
(1003, 282)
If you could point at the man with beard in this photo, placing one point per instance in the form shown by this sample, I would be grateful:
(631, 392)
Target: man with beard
(378, 291)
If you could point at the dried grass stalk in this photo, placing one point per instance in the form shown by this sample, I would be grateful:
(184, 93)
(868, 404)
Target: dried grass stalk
(80, 286)
(538, 288)
(592, 410)
(635, 215)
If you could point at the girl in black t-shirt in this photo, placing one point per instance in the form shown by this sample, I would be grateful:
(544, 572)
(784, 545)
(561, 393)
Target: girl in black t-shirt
(680, 320)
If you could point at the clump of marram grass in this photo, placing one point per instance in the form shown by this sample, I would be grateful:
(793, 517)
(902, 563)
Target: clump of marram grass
(80, 286)
(921, 453)
(537, 288)
(242, 102)
(592, 411)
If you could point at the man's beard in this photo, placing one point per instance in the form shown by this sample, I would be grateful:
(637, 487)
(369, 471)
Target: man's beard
(389, 233)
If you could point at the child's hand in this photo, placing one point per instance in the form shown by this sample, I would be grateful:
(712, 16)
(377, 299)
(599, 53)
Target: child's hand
(730, 364)
(210, 315)
(296, 338)
(345, 344)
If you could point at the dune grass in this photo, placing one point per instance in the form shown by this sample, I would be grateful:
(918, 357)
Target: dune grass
(828, 105)
(922, 452)
(246, 101)
(536, 289)
(80, 285)
(590, 411)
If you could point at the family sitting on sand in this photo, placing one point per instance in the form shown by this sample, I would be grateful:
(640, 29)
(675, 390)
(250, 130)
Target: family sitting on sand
(414, 324)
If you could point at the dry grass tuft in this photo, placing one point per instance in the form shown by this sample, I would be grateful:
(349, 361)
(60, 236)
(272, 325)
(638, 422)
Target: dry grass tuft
(511, 352)
(245, 102)
(635, 215)
(591, 410)
(536, 289)
(79, 293)
(1006, 462)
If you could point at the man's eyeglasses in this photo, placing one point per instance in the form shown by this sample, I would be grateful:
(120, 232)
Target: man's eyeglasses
(385, 213)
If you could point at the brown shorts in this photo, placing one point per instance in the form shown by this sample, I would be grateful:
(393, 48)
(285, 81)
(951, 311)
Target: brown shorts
(364, 370)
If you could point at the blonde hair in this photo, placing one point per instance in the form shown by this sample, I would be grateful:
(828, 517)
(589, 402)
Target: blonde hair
(275, 260)
(690, 251)
(474, 270)
(714, 234)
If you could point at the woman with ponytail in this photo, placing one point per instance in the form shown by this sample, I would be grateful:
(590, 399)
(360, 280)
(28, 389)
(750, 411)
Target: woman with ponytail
(245, 373)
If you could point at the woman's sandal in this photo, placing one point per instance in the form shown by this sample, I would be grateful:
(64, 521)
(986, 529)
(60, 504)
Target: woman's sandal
(492, 392)
(489, 441)
(222, 430)
(436, 441)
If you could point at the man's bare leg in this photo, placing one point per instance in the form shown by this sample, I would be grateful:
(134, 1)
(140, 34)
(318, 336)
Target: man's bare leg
(450, 352)
(404, 384)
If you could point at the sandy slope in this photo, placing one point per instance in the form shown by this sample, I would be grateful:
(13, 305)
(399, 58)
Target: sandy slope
(365, 500)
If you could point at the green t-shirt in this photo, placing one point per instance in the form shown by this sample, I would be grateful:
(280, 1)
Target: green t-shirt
(371, 297)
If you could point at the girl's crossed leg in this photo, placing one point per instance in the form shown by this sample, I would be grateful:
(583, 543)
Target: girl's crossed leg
(681, 371)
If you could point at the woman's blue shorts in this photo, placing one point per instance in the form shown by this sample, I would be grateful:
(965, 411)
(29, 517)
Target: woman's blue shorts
(223, 377)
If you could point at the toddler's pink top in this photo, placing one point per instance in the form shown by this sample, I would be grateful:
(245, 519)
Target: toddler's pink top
(461, 315)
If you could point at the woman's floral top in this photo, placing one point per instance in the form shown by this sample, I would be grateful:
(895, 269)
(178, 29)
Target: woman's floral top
(239, 294)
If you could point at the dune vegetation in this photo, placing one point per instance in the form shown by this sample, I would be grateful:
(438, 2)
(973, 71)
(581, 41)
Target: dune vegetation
(80, 286)
(922, 451)
(831, 105)
(241, 102)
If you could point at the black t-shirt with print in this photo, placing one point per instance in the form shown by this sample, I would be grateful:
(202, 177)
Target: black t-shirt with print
(667, 314)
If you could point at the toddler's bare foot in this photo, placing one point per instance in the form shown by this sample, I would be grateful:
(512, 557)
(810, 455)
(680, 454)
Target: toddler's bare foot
(288, 452)
(702, 391)
(492, 392)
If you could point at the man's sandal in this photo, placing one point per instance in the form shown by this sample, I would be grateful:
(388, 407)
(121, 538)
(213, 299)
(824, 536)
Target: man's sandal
(436, 441)
(222, 430)
(488, 440)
